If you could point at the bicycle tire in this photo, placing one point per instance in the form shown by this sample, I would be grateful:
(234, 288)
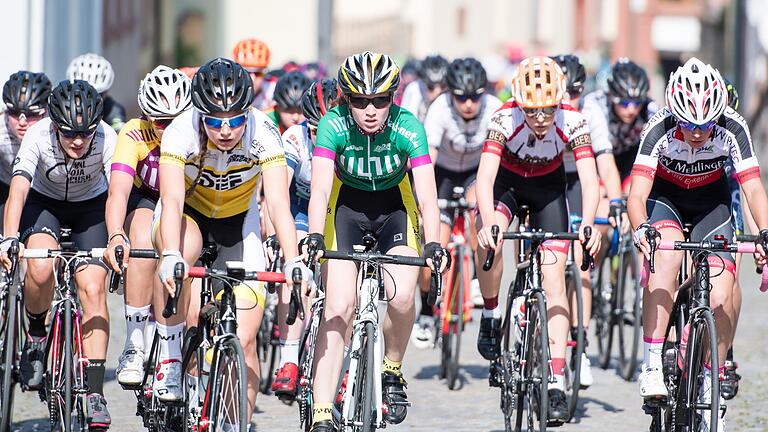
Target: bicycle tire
(535, 400)
(629, 319)
(573, 371)
(603, 300)
(9, 343)
(306, 360)
(457, 329)
(271, 347)
(702, 328)
(228, 361)
(369, 418)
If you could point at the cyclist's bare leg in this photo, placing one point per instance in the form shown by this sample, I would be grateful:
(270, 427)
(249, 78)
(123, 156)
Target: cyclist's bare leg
(736, 298)
(139, 272)
(341, 295)
(721, 302)
(471, 197)
(400, 310)
(90, 281)
(284, 297)
(553, 282)
(252, 314)
(491, 279)
(658, 296)
(38, 281)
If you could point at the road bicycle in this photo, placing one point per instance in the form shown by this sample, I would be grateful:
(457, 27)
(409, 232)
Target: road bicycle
(690, 339)
(13, 330)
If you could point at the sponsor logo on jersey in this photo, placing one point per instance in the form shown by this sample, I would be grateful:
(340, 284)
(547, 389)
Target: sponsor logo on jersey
(382, 147)
(237, 158)
(224, 182)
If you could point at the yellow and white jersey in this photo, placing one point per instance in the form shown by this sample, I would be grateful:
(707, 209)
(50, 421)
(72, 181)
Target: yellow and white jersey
(228, 178)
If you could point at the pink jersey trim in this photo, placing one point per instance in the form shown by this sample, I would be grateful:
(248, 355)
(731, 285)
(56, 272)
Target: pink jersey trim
(117, 166)
(420, 160)
(324, 153)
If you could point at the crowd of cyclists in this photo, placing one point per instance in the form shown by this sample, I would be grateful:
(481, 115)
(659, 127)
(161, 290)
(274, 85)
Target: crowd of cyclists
(241, 156)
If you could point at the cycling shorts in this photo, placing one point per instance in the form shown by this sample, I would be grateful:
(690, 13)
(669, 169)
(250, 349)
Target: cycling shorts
(545, 197)
(45, 215)
(138, 199)
(4, 189)
(237, 238)
(300, 212)
(706, 208)
(736, 209)
(624, 162)
(573, 193)
(391, 215)
(446, 180)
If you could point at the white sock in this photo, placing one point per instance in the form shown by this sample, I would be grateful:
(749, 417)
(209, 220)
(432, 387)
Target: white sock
(652, 354)
(289, 352)
(170, 341)
(135, 319)
(149, 333)
(492, 313)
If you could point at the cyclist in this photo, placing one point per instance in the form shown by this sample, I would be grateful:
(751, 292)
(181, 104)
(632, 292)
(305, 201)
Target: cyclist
(133, 193)
(526, 138)
(299, 143)
(369, 140)
(678, 178)
(456, 125)
(606, 166)
(419, 95)
(288, 92)
(627, 108)
(99, 73)
(218, 149)
(65, 160)
(253, 55)
(25, 96)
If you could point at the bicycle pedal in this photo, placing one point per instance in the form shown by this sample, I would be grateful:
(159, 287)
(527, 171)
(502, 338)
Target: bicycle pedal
(554, 423)
(130, 387)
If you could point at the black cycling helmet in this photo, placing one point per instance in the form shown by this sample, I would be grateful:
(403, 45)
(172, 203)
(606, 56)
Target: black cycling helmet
(318, 99)
(27, 91)
(628, 80)
(75, 106)
(575, 74)
(466, 77)
(289, 89)
(733, 95)
(432, 70)
(222, 86)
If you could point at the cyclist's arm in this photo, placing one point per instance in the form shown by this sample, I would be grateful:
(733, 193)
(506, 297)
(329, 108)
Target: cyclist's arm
(486, 177)
(122, 172)
(606, 167)
(279, 208)
(426, 193)
(757, 202)
(172, 199)
(639, 191)
(322, 183)
(17, 196)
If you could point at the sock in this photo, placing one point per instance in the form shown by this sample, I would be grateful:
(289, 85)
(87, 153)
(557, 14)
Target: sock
(149, 332)
(94, 376)
(170, 341)
(558, 374)
(37, 323)
(391, 366)
(491, 307)
(289, 352)
(135, 320)
(729, 355)
(426, 309)
(652, 352)
(321, 411)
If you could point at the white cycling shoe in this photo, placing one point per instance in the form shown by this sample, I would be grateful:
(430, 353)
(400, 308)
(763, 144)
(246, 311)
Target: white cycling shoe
(167, 386)
(423, 335)
(130, 368)
(585, 376)
(705, 396)
(651, 382)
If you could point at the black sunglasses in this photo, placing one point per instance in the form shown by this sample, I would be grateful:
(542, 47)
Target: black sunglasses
(70, 134)
(463, 98)
(27, 113)
(378, 102)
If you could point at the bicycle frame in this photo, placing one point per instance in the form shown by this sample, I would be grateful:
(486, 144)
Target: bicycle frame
(460, 259)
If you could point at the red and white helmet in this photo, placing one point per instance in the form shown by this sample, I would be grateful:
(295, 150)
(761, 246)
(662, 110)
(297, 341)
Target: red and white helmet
(696, 93)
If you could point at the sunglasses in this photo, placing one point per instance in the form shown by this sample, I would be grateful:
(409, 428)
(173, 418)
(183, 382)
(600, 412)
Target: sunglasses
(232, 122)
(378, 102)
(693, 126)
(534, 112)
(26, 113)
(161, 123)
(463, 98)
(626, 102)
(70, 134)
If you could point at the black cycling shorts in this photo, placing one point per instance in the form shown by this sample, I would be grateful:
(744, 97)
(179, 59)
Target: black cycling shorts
(391, 215)
(624, 163)
(46, 215)
(139, 199)
(4, 189)
(573, 193)
(446, 180)
(706, 208)
(544, 195)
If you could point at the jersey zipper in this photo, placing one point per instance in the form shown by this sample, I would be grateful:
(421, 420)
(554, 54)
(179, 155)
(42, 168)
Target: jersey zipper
(368, 161)
(216, 186)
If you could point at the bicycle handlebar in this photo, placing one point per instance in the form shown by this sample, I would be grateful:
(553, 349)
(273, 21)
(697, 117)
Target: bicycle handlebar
(116, 281)
(172, 301)
(586, 260)
(450, 204)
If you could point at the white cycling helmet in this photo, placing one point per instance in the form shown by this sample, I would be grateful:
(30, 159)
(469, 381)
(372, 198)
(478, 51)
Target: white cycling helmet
(165, 92)
(696, 93)
(92, 68)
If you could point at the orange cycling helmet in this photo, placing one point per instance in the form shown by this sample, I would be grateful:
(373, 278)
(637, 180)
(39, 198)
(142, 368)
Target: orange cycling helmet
(538, 83)
(189, 70)
(252, 54)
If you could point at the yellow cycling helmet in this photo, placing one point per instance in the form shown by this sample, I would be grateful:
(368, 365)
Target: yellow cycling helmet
(368, 73)
(538, 83)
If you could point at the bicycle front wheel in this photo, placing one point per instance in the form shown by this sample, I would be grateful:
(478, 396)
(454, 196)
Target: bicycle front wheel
(228, 388)
(575, 347)
(534, 400)
(629, 316)
(693, 389)
(455, 327)
(8, 347)
(603, 293)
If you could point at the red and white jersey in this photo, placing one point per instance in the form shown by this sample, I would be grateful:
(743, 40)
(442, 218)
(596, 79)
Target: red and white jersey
(527, 155)
(665, 154)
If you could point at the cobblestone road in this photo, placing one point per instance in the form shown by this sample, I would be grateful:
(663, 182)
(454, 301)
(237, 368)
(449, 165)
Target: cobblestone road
(611, 404)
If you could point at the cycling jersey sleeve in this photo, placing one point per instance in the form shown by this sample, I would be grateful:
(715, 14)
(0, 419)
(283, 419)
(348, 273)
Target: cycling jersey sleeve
(500, 129)
(411, 97)
(179, 137)
(410, 138)
(434, 122)
(110, 142)
(579, 138)
(126, 155)
(266, 145)
(741, 149)
(652, 141)
(27, 158)
(330, 129)
(290, 144)
(598, 127)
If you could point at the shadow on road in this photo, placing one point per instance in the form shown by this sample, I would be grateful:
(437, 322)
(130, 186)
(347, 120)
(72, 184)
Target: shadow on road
(473, 371)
